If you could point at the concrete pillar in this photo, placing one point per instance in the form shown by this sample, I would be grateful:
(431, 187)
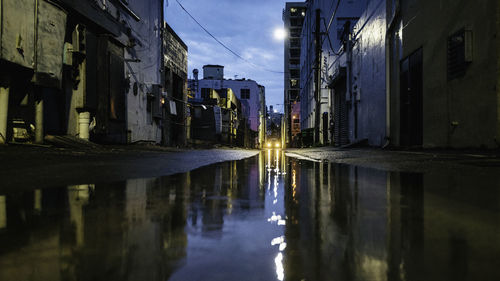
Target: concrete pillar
(3, 212)
(84, 123)
(39, 136)
(4, 108)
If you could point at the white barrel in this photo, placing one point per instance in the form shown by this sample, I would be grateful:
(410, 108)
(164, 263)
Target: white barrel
(84, 123)
(4, 107)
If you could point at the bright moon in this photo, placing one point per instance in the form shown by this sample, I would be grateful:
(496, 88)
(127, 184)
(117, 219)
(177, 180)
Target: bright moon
(279, 34)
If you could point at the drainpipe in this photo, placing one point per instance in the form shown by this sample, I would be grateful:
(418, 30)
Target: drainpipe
(4, 107)
(388, 38)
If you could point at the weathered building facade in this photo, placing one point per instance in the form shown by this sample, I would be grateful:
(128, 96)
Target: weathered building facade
(249, 93)
(320, 43)
(406, 73)
(175, 125)
(81, 68)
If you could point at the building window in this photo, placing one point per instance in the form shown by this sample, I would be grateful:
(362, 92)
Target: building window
(295, 43)
(294, 94)
(295, 32)
(245, 94)
(459, 53)
(294, 83)
(294, 53)
(294, 73)
(297, 22)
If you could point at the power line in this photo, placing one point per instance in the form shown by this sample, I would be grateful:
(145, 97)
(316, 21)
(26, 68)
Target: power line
(224, 45)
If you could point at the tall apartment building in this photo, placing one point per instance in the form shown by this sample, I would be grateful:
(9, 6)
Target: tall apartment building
(293, 18)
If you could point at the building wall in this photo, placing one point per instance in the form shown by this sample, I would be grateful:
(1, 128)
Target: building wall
(253, 104)
(461, 112)
(368, 76)
(142, 66)
(331, 49)
(175, 85)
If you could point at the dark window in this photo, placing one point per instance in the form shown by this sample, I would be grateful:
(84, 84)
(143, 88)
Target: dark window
(296, 22)
(459, 53)
(294, 53)
(245, 94)
(295, 32)
(295, 43)
(296, 120)
(294, 94)
(294, 73)
(294, 61)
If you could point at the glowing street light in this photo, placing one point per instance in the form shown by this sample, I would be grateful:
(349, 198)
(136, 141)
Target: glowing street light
(280, 33)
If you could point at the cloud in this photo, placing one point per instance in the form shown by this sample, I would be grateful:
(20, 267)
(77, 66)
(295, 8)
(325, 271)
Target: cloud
(244, 26)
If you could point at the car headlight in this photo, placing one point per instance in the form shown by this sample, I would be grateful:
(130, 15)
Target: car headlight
(269, 144)
(277, 145)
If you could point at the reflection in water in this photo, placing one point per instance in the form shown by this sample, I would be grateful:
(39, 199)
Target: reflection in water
(266, 218)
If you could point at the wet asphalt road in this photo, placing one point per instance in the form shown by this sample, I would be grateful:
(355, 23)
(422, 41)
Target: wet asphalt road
(268, 217)
(38, 167)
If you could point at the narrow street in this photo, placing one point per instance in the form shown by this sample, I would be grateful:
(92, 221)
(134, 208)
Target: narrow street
(251, 140)
(291, 219)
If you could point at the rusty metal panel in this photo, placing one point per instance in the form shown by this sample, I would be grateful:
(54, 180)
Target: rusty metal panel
(50, 44)
(17, 35)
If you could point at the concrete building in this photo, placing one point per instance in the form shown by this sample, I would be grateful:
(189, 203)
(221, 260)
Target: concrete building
(443, 66)
(175, 126)
(217, 118)
(80, 68)
(320, 43)
(403, 75)
(249, 92)
(143, 63)
(293, 19)
(357, 80)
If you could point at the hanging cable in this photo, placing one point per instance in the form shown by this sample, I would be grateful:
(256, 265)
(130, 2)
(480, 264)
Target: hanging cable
(223, 45)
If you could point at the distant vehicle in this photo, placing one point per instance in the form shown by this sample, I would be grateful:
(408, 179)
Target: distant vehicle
(273, 143)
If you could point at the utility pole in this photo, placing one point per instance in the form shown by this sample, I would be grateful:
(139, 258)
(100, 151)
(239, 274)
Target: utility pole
(317, 78)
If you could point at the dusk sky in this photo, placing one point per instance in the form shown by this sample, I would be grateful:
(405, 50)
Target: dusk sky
(245, 26)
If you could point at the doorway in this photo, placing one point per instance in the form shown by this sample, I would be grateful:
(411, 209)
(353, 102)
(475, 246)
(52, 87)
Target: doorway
(411, 101)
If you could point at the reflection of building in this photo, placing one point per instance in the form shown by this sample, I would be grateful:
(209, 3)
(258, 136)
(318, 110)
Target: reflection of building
(352, 223)
(293, 18)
